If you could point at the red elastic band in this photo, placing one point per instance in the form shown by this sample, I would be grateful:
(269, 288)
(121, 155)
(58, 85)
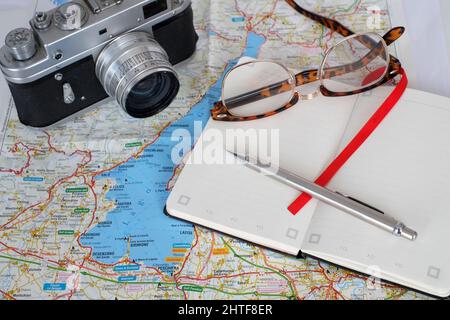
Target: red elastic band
(374, 76)
(356, 143)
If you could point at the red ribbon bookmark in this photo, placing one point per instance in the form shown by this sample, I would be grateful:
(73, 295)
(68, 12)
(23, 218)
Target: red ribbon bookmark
(356, 143)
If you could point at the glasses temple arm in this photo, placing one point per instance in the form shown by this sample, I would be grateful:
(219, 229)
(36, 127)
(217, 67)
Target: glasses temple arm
(393, 35)
(258, 94)
(327, 22)
(340, 28)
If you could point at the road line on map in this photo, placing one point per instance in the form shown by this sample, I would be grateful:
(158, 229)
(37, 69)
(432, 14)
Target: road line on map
(6, 295)
(20, 260)
(281, 272)
(184, 284)
(188, 255)
(213, 239)
(263, 267)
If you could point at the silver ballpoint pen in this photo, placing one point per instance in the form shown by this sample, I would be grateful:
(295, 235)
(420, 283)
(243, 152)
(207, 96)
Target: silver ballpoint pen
(336, 200)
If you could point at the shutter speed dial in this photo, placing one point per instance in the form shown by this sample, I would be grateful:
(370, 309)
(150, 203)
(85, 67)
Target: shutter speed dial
(70, 16)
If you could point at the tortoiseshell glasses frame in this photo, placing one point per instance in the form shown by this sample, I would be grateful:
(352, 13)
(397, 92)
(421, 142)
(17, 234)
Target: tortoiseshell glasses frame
(221, 111)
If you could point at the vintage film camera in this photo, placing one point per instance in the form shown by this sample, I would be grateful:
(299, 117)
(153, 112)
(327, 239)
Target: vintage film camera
(84, 51)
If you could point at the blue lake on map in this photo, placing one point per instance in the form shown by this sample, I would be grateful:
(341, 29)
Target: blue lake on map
(140, 195)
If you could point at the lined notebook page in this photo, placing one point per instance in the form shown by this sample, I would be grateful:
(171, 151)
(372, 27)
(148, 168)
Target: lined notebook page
(403, 170)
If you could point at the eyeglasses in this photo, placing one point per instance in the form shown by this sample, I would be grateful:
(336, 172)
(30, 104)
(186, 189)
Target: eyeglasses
(262, 88)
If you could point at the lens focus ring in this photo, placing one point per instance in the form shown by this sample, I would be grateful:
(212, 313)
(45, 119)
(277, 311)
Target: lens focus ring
(129, 59)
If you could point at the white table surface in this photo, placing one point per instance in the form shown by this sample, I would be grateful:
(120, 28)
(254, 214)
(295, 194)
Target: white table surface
(425, 49)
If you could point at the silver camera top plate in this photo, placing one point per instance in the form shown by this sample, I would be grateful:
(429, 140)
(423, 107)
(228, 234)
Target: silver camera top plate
(59, 46)
(98, 6)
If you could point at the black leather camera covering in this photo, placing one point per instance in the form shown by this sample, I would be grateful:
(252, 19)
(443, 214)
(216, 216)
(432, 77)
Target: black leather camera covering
(177, 36)
(41, 103)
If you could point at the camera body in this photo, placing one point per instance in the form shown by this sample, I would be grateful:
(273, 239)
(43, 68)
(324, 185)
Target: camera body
(86, 50)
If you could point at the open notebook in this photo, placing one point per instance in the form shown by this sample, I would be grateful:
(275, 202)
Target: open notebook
(403, 169)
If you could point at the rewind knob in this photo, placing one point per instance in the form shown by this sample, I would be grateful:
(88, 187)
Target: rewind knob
(21, 44)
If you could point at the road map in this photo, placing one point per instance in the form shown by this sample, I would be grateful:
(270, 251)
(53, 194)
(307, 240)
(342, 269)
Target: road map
(81, 204)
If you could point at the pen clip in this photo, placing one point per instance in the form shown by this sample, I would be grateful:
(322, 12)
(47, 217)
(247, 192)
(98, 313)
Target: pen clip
(361, 202)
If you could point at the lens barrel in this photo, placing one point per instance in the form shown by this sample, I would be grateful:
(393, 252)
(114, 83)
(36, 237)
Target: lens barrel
(135, 70)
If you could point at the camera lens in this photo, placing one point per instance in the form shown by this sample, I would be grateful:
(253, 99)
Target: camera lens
(135, 70)
(157, 90)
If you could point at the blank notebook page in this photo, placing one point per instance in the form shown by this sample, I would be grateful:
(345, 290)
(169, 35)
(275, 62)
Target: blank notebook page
(403, 170)
(249, 205)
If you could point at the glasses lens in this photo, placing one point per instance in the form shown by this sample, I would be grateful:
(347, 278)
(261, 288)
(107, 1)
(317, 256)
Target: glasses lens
(257, 88)
(355, 64)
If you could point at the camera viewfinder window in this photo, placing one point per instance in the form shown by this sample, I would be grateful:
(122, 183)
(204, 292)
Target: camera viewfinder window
(154, 8)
